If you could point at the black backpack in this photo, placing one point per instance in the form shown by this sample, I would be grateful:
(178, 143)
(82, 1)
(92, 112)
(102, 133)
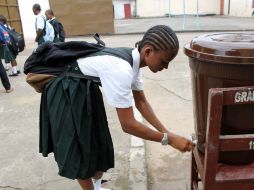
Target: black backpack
(59, 30)
(17, 40)
(51, 59)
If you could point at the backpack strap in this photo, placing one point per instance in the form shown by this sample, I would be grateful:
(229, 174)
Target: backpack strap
(81, 76)
(72, 70)
(123, 53)
(44, 29)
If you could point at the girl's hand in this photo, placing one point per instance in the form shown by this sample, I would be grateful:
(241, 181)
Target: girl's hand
(180, 143)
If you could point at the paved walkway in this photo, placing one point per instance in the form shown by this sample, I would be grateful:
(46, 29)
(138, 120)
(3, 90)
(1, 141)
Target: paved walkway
(204, 24)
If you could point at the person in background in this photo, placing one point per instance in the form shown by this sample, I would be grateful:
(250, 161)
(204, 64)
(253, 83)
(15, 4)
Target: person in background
(58, 27)
(73, 121)
(7, 52)
(44, 31)
(4, 79)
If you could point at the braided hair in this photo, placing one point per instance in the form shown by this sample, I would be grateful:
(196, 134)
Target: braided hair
(160, 37)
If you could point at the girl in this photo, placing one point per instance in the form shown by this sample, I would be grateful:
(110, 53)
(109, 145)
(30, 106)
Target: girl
(73, 122)
(6, 51)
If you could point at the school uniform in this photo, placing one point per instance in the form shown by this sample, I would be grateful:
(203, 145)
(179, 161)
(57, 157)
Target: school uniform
(47, 29)
(40, 22)
(73, 121)
(6, 51)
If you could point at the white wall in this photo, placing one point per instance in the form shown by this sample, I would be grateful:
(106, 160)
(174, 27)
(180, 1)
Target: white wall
(119, 8)
(28, 17)
(148, 8)
(226, 2)
(151, 8)
(241, 8)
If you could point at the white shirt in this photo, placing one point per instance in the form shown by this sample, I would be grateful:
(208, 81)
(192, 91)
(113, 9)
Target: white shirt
(40, 24)
(117, 76)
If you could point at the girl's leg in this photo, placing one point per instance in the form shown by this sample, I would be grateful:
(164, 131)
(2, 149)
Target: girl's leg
(14, 68)
(98, 175)
(4, 79)
(6, 66)
(86, 184)
(97, 181)
(14, 63)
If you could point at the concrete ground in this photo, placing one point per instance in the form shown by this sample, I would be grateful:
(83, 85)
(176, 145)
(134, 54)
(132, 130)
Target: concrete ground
(169, 92)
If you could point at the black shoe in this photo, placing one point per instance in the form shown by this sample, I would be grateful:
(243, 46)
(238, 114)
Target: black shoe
(13, 74)
(18, 71)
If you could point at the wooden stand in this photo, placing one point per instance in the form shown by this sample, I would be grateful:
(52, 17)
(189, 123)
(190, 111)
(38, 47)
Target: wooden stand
(205, 167)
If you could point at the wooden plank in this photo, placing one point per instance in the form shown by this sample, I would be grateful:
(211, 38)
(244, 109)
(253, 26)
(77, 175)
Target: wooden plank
(235, 173)
(214, 115)
(199, 158)
(237, 95)
(237, 142)
(9, 5)
(235, 186)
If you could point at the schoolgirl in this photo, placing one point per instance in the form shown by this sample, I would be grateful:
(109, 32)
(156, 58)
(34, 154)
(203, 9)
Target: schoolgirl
(73, 122)
(6, 51)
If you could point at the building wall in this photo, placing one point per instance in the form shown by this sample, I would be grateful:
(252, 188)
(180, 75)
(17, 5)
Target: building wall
(10, 10)
(81, 26)
(119, 8)
(241, 8)
(147, 8)
(27, 16)
(81, 17)
(150, 8)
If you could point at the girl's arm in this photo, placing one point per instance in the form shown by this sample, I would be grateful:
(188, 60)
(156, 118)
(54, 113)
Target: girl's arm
(147, 112)
(132, 126)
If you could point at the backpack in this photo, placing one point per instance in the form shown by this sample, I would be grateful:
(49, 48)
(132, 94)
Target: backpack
(4, 35)
(59, 30)
(50, 60)
(16, 40)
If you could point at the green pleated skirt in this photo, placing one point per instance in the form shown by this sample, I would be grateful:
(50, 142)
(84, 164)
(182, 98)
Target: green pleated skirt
(73, 125)
(7, 53)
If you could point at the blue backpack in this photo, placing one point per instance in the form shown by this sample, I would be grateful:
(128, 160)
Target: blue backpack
(4, 35)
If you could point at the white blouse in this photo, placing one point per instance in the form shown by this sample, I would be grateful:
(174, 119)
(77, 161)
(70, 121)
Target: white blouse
(117, 76)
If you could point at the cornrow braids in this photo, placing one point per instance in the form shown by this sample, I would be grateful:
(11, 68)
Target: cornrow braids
(160, 37)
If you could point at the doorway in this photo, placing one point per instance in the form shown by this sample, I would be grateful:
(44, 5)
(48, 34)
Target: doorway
(127, 10)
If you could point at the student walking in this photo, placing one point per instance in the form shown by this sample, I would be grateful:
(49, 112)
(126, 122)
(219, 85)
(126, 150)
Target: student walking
(73, 122)
(44, 31)
(6, 50)
(58, 27)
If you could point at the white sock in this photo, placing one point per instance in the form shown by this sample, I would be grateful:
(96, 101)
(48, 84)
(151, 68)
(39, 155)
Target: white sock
(97, 185)
(4, 64)
(14, 69)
